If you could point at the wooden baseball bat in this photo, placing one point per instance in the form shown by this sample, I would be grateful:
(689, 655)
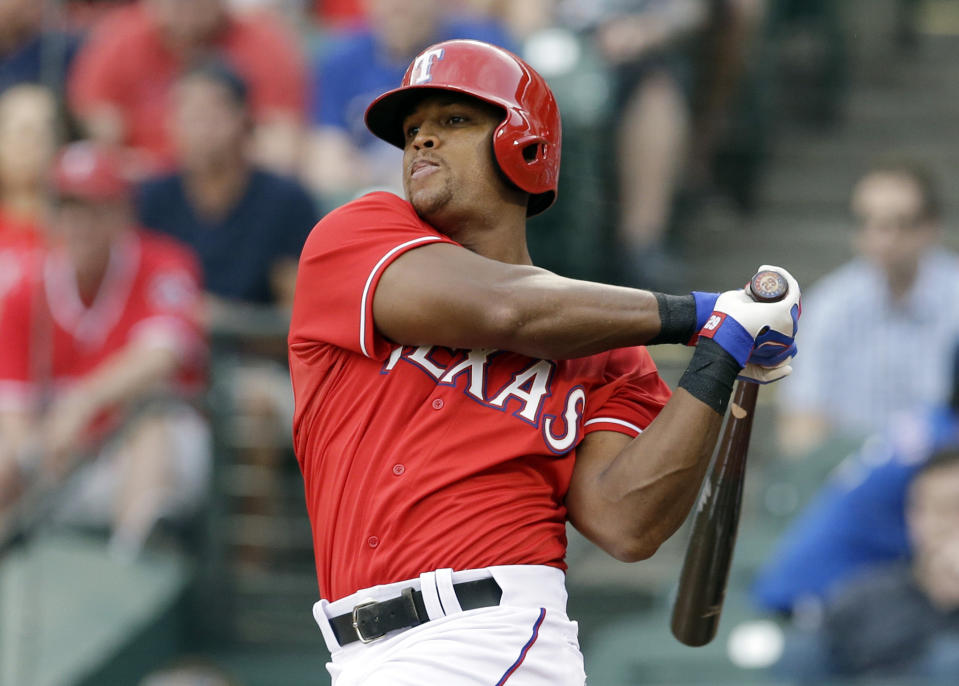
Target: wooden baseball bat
(702, 583)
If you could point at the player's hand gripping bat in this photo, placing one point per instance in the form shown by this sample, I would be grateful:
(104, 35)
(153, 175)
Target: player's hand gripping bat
(702, 583)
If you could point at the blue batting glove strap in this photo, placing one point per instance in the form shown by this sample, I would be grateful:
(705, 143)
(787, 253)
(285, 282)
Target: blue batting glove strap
(730, 335)
(772, 347)
(773, 350)
(705, 302)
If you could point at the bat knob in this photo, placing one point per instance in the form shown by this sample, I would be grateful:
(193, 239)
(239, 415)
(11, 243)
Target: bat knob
(768, 286)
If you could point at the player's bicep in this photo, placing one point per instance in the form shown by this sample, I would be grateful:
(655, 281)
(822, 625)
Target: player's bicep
(443, 294)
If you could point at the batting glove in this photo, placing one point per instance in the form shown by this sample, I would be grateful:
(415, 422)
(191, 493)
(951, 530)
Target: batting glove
(705, 302)
(754, 332)
(755, 373)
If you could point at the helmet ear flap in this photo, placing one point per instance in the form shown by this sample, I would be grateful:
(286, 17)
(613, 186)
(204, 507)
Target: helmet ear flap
(532, 148)
(523, 154)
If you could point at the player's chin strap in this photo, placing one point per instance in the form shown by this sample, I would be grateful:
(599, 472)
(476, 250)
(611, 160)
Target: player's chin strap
(372, 620)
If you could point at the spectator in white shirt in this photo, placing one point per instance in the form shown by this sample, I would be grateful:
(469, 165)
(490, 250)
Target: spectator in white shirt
(897, 302)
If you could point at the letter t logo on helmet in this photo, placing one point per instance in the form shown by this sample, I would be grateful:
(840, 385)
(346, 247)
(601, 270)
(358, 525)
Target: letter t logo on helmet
(527, 142)
(422, 65)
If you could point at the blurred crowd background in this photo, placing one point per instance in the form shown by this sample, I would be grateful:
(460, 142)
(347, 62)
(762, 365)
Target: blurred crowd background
(161, 163)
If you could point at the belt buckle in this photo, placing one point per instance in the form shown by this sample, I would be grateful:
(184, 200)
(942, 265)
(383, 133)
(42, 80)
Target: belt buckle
(356, 624)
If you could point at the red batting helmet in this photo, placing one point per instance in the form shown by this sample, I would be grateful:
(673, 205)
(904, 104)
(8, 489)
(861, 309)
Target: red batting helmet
(526, 144)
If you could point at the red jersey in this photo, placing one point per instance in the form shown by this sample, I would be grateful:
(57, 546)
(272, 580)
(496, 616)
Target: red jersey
(50, 338)
(19, 231)
(420, 458)
(19, 240)
(125, 64)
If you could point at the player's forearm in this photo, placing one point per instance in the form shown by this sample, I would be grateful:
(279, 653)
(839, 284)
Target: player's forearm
(556, 318)
(446, 296)
(632, 503)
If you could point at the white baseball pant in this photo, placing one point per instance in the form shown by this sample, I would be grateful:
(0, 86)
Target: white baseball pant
(527, 640)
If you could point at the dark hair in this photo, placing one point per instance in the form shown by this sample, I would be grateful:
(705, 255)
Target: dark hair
(918, 173)
(223, 73)
(943, 457)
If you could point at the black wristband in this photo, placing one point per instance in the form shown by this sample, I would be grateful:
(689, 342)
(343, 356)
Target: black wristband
(678, 316)
(711, 374)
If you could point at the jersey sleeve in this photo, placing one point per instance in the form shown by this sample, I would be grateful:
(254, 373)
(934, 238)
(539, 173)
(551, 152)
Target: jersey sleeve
(340, 268)
(631, 397)
(171, 301)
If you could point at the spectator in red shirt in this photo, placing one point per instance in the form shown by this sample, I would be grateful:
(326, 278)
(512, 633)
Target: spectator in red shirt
(339, 12)
(121, 82)
(100, 352)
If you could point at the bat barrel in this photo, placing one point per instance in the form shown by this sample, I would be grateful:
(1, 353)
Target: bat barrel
(702, 583)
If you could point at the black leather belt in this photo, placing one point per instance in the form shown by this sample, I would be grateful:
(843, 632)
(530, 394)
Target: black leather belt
(370, 621)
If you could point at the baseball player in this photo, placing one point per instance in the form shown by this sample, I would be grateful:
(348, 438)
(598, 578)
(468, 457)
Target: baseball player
(456, 405)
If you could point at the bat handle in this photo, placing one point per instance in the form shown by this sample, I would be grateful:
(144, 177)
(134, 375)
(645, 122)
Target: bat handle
(744, 399)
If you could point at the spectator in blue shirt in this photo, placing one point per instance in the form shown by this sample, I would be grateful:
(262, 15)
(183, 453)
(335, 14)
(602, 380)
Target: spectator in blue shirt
(858, 518)
(247, 225)
(893, 618)
(344, 157)
(28, 54)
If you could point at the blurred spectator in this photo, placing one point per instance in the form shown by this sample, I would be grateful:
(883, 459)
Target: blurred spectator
(811, 41)
(295, 14)
(729, 122)
(899, 619)
(28, 135)
(82, 15)
(120, 85)
(28, 52)
(896, 300)
(344, 157)
(641, 41)
(247, 226)
(101, 353)
(338, 13)
(521, 19)
(857, 519)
